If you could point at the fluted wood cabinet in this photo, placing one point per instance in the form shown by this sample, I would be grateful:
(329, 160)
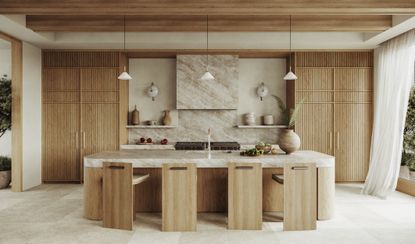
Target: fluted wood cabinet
(80, 110)
(337, 115)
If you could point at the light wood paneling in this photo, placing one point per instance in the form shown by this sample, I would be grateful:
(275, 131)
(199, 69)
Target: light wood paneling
(325, 193)
(315, 127)
(61, 142)
(352, 141)
(212, 190)
(335, 59)
(244, 196)
(406, 186)
(213, 7)
(179, 200)
(59, 58)
(118, 195)
(99, 79)
(307, 79)
(17, 113)
(300, 196)
(148, 194)
(354, 79)
(60, 79)
(197, 23)
(273, 193)
(93, 193)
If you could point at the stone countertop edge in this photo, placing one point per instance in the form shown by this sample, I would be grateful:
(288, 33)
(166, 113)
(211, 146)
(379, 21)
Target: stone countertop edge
(156, 158)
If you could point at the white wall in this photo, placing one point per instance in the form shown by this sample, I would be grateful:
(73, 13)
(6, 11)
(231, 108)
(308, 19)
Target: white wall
(254, 71)
(161, 71)
(31, 114)
(5, 68)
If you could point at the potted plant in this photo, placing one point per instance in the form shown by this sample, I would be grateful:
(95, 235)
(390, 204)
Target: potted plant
(5, 125)
(408, 153)
(288, 140)
(5, 171)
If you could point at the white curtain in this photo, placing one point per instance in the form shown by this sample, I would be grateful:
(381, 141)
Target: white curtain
(394, 75)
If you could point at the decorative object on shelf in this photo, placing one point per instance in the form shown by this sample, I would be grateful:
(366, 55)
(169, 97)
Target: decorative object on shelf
(124, 75)
(288, 140)
(164, 141)
(152, 91)
(135, 116)
(290, 75)
(5, 171)
(167, 118)
(262, 91)
(152, 122)
(207, 76)
(249, 118)
(268, 119)
(265, 147)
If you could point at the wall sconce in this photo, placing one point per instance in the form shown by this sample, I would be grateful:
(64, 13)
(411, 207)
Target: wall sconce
(152, 91)
(262, 91)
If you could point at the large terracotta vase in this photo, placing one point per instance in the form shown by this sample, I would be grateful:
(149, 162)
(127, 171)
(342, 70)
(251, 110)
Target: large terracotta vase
(5, 178)
(289, 141)
(167, 118)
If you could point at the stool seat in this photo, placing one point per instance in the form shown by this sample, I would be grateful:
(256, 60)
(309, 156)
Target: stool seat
(278, 178)
(138, 178)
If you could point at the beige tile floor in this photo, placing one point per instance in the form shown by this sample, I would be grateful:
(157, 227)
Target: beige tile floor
(53, 214)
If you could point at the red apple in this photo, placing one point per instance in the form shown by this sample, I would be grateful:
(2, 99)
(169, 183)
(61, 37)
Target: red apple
(164, 141)
(149, 140)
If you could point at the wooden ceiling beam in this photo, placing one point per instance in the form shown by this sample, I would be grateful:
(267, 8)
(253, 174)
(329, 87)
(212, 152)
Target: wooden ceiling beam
(218, 23)
(202, 7)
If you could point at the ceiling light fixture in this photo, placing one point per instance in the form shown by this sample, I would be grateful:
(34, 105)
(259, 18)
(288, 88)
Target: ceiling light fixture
(207, 76)
(124, 75)
(290, 75)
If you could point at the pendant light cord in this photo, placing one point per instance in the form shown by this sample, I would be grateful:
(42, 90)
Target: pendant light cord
(290, 43)
(207, 42)
(124, 33)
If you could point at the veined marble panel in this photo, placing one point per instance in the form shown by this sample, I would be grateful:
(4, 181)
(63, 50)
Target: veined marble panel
(221, 93)
(193, 126)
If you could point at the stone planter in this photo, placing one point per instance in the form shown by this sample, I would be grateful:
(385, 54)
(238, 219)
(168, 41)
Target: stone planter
(289, 141)
(5, 178)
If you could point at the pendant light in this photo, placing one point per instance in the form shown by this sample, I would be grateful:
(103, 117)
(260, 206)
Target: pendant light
(207, 76)
(124, 75)
(290, 75)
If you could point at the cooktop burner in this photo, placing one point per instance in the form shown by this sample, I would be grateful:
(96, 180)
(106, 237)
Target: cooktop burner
(199, 145)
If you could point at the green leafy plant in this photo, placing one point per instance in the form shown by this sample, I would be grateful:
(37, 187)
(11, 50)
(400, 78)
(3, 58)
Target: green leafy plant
(409, 131)
(289, 115)
(411, 164)
(5, 163)
(5, 105)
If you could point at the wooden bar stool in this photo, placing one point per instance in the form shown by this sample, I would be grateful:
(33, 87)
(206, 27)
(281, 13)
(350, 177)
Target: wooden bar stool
(245, 196)
(300, 196)
(118, 195)
(179, 202)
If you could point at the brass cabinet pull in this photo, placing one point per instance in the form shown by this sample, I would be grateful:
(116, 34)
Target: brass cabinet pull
(83, 139)
(331, 139)
(178, 168)
(77, 139)
(299, 167)
(338, 140)
(244, 167)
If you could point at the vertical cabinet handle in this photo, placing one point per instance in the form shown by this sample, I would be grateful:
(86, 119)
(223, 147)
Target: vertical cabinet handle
(77, 139)
(338, 140)
(331, 139)
(83, 139)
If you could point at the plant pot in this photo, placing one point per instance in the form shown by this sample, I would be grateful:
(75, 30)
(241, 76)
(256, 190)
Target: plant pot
(289, 141)
(5, 178)
(411, 175)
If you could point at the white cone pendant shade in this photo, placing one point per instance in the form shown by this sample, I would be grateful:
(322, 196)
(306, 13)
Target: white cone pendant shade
(124, 76)
(207, 76)
(290, 76)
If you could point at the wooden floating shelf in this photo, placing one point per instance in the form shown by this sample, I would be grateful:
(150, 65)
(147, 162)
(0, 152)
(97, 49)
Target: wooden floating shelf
(151, 126)
(261, 126)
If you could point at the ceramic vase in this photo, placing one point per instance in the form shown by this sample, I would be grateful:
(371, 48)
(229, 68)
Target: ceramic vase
(289, 141)
(167, 118)
(135, 116)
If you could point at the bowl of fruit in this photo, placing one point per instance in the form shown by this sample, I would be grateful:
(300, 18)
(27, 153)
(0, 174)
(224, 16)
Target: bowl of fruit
(265, 147)
(252, 152)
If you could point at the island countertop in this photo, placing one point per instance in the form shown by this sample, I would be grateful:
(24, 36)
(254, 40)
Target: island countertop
(219, 159)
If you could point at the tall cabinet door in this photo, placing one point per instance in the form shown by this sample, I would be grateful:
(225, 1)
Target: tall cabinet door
(60, 142)
(60, 133)
(315, 124)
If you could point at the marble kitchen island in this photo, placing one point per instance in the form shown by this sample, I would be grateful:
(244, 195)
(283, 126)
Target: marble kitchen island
(211, 178)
